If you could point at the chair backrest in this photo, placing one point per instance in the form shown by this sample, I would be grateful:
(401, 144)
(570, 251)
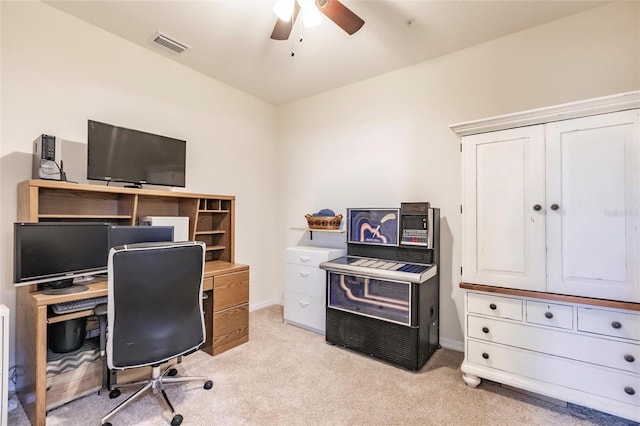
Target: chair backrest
(154, 302)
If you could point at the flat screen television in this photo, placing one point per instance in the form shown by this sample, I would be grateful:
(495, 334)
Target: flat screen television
(118, 154)
(373, 226)
(59, 256)
(122, 235)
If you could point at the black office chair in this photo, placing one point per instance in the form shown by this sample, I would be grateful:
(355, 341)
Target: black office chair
(154, 313)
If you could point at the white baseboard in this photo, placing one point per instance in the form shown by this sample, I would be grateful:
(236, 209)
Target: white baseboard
(264, 304)
(454, 345)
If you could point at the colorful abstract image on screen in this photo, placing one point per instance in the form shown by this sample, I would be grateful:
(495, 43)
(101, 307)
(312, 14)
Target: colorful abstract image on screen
(373, 226)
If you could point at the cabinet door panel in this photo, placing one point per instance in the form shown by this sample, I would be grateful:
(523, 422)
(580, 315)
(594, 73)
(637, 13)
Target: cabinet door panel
(592, 176)
(503, 233)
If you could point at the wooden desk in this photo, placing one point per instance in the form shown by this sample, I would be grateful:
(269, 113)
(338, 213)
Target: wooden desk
(226, 317)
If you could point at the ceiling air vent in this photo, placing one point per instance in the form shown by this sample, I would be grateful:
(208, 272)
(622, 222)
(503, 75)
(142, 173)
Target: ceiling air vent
(169, 43)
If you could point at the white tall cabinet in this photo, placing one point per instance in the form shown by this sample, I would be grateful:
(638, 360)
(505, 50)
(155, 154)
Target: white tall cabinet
(551, 251)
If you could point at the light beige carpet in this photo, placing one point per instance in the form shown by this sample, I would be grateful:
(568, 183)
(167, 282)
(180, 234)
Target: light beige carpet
(286, 375)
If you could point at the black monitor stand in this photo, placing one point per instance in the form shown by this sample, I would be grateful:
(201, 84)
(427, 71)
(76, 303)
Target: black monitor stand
(65, 286)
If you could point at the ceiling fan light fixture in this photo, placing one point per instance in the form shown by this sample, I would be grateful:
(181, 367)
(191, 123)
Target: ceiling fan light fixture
(310, 17)
(284, 9)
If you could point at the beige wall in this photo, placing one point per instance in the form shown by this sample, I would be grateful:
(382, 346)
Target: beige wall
(58, 71)
(375, 143)
(386, 140)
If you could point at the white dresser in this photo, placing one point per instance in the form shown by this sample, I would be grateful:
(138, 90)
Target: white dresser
(4, 363)
(551, 252)
(305, 286)
(584, 354)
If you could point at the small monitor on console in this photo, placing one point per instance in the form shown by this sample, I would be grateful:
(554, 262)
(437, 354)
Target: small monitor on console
(123, 235)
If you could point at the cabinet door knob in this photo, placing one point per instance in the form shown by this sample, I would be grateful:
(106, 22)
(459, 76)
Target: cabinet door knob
(554, 207)
(616, 325)
(548, 315)
(486, 356)
(493, 307)
(629, 358)
(485, 330)
(629, 390)
(537, 207)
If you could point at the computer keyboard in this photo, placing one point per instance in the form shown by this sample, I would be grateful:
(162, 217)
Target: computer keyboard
(77, 305)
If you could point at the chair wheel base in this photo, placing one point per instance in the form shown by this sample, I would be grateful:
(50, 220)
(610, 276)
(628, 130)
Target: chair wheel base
(172, 372)
(177, 420)
(208, 384)
(114, 394)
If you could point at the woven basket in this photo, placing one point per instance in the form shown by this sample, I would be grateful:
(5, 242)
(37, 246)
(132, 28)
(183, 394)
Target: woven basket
(324, 222)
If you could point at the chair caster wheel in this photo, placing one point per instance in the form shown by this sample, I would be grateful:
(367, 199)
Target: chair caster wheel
(114, 394)
(106, 424)
(208, 384)
(172, 373)
(177, 420)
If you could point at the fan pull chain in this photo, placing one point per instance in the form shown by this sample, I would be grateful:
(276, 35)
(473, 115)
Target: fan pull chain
(301, 27)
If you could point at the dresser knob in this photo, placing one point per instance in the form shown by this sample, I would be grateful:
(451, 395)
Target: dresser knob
(629, 358)
(537, 207)
(486, 356)
(616, 325)
(485, 330)
(493, 306)
(629, 390)
(548, 315)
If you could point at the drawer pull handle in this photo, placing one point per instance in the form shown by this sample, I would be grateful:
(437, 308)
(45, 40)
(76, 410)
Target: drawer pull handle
(485, 330)
(629, 358)
(616, 325)
(486, 356)
(493, 306)
(629, 390)
(548, 315)
(303, 303)
(304, 274)
(304, 258)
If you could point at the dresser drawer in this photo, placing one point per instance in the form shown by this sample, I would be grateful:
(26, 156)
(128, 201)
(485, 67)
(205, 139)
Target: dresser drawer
(550, 314)
(310, 256)
(609, 323)
(305, 280)
(230, 290)
(304, 310)
(585, 377)
(497, 306)
(595, 350)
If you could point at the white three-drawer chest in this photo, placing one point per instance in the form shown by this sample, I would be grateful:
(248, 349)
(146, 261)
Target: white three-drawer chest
(305, 286)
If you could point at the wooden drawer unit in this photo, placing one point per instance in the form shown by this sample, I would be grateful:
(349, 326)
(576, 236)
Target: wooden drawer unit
(230, 310)
(497, 306)
(551, 314)
(609, 323)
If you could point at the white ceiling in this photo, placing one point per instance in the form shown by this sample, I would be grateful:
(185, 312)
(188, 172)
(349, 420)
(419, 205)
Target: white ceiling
(230, 39)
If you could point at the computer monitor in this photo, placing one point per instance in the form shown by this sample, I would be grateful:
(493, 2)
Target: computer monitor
(123, 235)
(59, 256)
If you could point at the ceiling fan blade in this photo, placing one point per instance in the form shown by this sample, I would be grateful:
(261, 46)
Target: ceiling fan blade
(341, 15)
(282, 29)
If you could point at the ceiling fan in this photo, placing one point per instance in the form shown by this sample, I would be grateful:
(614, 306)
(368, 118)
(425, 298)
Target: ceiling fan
(341, 15)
